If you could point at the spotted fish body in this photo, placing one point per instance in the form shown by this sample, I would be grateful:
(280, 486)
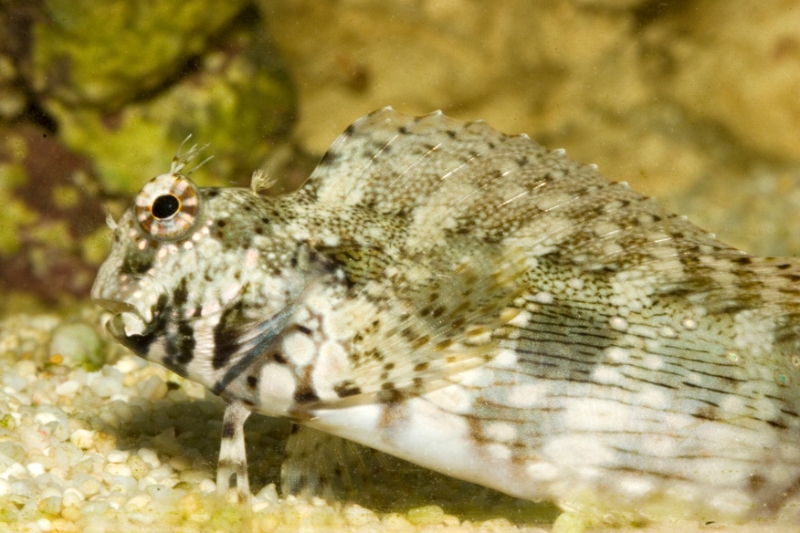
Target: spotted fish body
(478, 305)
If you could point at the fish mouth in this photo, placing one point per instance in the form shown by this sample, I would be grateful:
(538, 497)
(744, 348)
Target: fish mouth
(126, 320)
(115, 306)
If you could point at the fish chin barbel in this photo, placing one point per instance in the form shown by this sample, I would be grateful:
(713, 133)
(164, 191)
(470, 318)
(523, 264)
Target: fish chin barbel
(473, 303)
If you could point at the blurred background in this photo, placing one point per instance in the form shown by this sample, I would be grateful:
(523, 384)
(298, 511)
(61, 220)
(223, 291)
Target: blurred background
(693, 101)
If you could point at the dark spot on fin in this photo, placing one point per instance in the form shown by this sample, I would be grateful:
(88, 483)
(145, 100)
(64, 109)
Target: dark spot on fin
(343, 390)
(305, 395)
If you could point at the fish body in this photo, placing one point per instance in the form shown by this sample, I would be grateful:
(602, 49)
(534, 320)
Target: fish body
(476, 304)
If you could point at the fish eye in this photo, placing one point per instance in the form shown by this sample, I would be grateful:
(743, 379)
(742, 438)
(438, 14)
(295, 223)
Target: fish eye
(167, 208)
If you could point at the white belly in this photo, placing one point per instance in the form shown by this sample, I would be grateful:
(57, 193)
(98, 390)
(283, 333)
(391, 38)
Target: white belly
(585, 447)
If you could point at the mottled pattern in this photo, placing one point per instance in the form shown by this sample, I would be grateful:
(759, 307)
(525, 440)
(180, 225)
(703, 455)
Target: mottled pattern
(476, 304)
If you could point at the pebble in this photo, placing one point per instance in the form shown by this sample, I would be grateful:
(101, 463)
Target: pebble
(149, 456)
(82, 438)
(159, 491)
(122, 482)
(138, 502)
(72, 498)
(117, 469)
(78, 343)
(35, 469)
(359, 516)
(105, 387)
(89, 485)
(12, 450)
(67, 388)
(117, 456)
(206, 486)
(45, 418)
(426, 515)
(139, 468)
(153, 388)
(180, 463)
(94, 507)
(50, 505)
(15, 470)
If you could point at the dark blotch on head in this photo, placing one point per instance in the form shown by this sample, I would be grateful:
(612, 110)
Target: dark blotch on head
(138, 262)
(226, 336)
(183, 343)
(139, 344)
(252, 382)
(181, 294)
(228, 430)
(346, 388)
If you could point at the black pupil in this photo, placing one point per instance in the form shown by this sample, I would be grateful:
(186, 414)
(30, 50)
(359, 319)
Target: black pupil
(165, 206)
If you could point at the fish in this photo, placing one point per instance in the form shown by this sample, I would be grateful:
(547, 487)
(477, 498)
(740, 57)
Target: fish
(476, 304)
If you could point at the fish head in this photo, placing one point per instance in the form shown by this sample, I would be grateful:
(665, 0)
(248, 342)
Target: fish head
(199, 277)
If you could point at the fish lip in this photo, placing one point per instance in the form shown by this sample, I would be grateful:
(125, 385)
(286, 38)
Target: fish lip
(115, 325)
(117, 307)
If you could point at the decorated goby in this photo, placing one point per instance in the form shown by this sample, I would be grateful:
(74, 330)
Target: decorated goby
(476, 304)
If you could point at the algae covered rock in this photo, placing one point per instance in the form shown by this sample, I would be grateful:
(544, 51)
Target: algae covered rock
(108, 53)
(236, 99)
(52, 234)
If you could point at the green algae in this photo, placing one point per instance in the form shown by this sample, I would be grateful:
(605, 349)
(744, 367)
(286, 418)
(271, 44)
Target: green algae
(231, 103)
(108, 53)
